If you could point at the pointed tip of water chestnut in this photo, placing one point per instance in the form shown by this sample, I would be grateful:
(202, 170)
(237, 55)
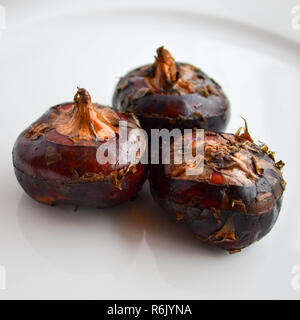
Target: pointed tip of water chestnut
(86, 123)
(82, 96)
(165, 71)
(164, 54)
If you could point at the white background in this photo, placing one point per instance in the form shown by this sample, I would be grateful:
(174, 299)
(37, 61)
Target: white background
(135, 250)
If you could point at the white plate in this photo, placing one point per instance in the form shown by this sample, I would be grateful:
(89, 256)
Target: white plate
(136, 251)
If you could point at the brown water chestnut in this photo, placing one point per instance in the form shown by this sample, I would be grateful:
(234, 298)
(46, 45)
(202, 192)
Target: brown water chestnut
(56, 159)
(236, 198)
(169, 94)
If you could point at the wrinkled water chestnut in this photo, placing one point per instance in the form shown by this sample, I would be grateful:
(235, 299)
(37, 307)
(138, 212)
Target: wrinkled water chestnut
(56, 159)
(234, 201)
(169, 94)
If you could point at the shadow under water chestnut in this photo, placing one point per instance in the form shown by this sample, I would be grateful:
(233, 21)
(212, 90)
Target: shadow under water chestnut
(169, 94)
(234, 201)
(55, 159)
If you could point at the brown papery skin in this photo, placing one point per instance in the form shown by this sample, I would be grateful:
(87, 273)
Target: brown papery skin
(54, 168)
(169, 94)
(231, 214)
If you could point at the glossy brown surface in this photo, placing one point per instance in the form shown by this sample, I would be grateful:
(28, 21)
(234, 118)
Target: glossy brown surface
(55, 158)
(170, 95)
(234, 201)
